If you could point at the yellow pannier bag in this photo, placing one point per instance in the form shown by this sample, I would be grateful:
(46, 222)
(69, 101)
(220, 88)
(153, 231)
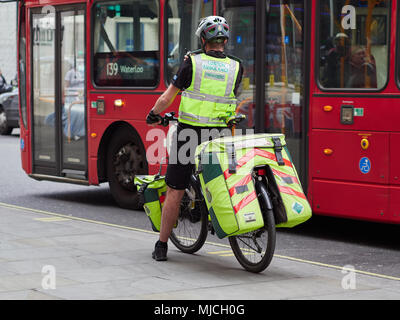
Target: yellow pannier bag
(153, 190)
(225, 167)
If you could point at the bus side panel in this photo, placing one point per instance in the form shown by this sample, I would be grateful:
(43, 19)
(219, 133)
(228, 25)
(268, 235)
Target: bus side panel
(395, 176)
(338, 155)
(93, 175)
(395, 156)
(395, 204)
(25, 150)
(352, 200)
(133, 111)
(370, 112)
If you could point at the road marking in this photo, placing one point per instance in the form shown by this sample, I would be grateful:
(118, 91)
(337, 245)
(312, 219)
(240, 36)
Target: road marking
(229, 255)
(52, 219)
(338, 267)
(11, 206)
(331, 266)
(219, 252)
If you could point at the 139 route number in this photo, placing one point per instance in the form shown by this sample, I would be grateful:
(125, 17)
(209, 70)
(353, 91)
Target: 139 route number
(112, 69)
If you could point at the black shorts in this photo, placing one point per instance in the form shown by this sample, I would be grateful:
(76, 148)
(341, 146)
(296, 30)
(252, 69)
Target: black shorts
(181, 160)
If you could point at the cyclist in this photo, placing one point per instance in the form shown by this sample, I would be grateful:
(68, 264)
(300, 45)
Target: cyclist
(209, 80)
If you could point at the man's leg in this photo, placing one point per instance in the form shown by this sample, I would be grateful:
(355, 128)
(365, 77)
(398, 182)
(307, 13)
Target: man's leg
(169, 216)
(177, 179)
(170, 212)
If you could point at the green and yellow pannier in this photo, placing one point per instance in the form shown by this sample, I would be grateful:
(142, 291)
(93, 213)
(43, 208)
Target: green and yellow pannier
(225, 167)
(153, 190)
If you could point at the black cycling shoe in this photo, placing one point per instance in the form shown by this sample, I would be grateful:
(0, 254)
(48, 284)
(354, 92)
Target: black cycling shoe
(160, 251)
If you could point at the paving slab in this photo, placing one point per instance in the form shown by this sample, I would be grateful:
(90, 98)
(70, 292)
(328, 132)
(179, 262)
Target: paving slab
(53, 257)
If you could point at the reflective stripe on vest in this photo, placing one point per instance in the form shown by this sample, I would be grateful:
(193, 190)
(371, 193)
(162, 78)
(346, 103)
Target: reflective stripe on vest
(199, 119)
(210, 97)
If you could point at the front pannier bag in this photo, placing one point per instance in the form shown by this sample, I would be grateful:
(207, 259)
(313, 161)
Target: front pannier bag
(225, 167)
(153, 190)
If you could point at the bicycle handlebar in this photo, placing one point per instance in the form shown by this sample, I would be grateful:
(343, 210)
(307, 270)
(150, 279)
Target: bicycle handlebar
(234, 120)
(170, 116)
(230, 121)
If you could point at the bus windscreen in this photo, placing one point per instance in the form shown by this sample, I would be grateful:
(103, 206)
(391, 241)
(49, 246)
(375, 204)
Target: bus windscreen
(126, 43)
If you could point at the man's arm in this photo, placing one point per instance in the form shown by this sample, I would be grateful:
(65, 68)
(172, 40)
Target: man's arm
(180, 82)
(166, 99)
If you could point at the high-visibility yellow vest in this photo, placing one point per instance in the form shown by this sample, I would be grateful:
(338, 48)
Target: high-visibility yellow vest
(210, 98)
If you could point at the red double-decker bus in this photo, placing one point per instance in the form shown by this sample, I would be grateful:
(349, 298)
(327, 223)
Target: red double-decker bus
(89, 73)
(322, 72)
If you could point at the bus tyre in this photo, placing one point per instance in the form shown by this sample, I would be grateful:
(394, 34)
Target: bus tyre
(124, 160)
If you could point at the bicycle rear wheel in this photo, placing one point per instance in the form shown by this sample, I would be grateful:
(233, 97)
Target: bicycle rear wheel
(191, 230)
(255, 250)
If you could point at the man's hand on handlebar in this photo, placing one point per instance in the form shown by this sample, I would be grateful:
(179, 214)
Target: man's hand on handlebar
(156, 119)
(153, 119)
(234, 120)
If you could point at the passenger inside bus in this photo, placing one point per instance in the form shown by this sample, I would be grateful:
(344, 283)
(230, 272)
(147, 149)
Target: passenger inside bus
(74, 82)
(72, 114)
(362, 69)
(347, 66)
(74, 100)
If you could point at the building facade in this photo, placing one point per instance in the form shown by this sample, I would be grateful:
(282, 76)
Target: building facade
(8, 40)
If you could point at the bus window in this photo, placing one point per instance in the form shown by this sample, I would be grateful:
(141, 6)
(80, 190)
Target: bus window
(126, 43)
(73, 85)
(241, 16)
(43, 87)
(353, 44)
(284, 95)
(183, 19)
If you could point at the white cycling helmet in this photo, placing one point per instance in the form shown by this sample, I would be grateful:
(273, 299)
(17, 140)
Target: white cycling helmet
(213, 27)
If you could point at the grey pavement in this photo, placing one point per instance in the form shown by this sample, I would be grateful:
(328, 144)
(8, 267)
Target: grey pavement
(54, 257)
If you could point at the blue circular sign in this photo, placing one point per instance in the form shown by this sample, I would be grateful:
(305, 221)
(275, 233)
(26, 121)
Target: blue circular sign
(365, 165)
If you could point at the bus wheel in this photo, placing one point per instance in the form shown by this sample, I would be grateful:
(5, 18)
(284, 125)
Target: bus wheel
(124, 161)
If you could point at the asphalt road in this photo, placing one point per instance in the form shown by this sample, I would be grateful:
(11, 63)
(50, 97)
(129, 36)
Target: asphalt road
(366, 246)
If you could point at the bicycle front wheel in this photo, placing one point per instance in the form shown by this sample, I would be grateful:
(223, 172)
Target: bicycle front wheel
(255, 250)
(190, 231)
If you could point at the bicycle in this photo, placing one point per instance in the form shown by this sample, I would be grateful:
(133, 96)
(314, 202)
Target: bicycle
(253, 250)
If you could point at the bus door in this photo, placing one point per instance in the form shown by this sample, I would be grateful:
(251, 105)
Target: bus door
(58, 98)
(285, 77)
(352, 109)
(269, 38)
